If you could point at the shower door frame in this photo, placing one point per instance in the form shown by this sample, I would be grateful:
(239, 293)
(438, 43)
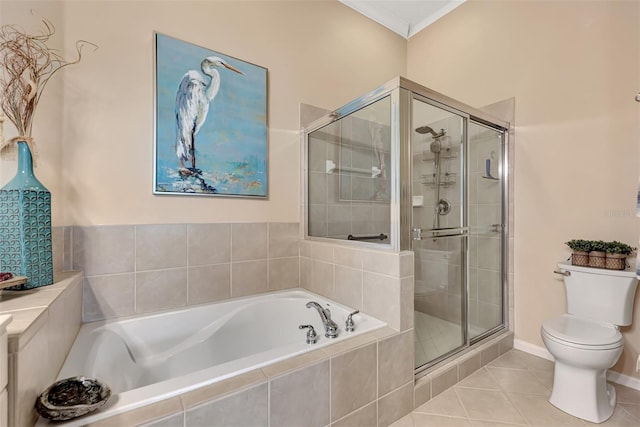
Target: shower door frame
(402, 92)
(413, 91)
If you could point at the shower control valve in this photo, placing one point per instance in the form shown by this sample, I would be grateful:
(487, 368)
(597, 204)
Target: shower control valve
(312, 337)
(350, 326)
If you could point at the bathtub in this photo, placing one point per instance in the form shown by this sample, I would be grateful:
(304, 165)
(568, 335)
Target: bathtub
(148, 358)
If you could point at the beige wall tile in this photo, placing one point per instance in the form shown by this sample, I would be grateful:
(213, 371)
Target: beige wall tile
(322, 278)
(209, 283)
(443, 378)
(422, 391)
(348, 286)
(161, 290)
(395, 361)
(301, 398)
(33, 376)
(68, 249)
(506, 343)
(294, 363)
(104, 249)
(322, 252)
(208, 243)
(395, 405)
(305, 272)
(218, 389)
(57, 248)
(74, 296)
(381, 298)
(109, 296)
(407, 302)
(488, 352)
(176, 420)
(161, 246)
(381, 262)
(248, 278)
(283, 239)
(152, 412)
(248, 241)
(353, 380)
(367, 416)
(57, 336)
(306, 248)
(352, 343)
(468, 364)
(247, 408)
(348, 257)
(284, 273)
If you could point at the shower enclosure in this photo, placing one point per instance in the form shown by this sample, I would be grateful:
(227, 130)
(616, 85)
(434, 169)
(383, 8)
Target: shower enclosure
(406, 168)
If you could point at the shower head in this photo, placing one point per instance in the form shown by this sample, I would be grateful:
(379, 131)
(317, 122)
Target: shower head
(427, 129)
(435, 146)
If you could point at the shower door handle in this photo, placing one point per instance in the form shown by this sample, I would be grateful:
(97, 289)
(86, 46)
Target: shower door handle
(436, 233)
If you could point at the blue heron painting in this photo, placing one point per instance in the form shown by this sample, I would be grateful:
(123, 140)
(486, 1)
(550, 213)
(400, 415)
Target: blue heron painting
(211, 122)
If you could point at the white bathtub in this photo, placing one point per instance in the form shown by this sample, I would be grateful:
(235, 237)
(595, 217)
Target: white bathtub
(152, 357)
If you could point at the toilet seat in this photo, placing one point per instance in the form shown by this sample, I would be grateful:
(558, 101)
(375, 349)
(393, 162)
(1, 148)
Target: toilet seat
(582, 333)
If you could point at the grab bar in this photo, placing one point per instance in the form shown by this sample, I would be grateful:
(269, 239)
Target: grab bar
(380, 236)
(331, 168)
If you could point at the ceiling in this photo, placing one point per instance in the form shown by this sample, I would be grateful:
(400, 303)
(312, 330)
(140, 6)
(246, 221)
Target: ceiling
(405, 17)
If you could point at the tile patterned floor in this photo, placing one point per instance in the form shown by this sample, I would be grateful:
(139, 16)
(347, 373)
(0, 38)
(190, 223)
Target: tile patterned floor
(512, 390)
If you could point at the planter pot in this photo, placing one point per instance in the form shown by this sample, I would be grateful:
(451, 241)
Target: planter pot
(25, 225)
(597, 259)
(616, 262)
(580, 258)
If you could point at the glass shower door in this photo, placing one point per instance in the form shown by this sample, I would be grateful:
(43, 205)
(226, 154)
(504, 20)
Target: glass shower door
(485, 200)
(439, 234)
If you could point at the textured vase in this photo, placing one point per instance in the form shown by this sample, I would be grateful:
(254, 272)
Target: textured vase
(25, 225)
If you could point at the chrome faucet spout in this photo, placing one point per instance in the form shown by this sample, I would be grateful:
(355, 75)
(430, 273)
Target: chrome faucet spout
(330, 327)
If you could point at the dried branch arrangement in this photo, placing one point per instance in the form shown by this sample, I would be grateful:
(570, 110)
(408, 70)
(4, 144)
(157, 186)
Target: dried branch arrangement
(26, 65)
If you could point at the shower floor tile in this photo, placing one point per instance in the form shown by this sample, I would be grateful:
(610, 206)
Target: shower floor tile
(434, 337)
(512, 390)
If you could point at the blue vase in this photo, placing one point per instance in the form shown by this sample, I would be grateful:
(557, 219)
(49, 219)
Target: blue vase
(25, 225)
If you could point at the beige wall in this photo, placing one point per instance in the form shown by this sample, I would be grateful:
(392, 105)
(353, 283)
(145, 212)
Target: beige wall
(47, 125)
(317, 52)
(573, 69)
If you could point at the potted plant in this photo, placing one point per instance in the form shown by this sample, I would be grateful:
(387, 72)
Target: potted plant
(580, 251)
(598, 255)
(616, 255)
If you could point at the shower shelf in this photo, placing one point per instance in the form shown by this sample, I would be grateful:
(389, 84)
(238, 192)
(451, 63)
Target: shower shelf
(446, 179)
(331, 168)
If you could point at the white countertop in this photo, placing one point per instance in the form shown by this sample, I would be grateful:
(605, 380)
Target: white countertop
(28, 306)
(5, 319)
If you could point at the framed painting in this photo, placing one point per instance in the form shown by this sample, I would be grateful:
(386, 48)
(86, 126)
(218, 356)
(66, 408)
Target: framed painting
(210, 122)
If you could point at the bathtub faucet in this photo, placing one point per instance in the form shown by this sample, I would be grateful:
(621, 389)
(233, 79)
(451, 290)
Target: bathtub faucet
(330, 327)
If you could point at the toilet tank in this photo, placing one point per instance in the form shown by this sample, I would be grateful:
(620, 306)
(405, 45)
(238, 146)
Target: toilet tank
(600, 294)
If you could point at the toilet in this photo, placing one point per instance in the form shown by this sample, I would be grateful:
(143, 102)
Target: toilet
(585, 341)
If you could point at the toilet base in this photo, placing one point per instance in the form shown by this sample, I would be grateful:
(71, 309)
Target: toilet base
(583, 393)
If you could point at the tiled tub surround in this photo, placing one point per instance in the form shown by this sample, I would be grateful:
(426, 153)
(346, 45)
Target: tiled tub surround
(134, 269)
(364, 381)
(148, 358)
(380, 283)
(45, 323)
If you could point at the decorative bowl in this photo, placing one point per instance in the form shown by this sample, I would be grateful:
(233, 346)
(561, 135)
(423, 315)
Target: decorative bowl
(71, 398)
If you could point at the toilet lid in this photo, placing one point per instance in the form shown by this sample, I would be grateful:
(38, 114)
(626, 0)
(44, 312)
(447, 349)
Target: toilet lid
(581, 331)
